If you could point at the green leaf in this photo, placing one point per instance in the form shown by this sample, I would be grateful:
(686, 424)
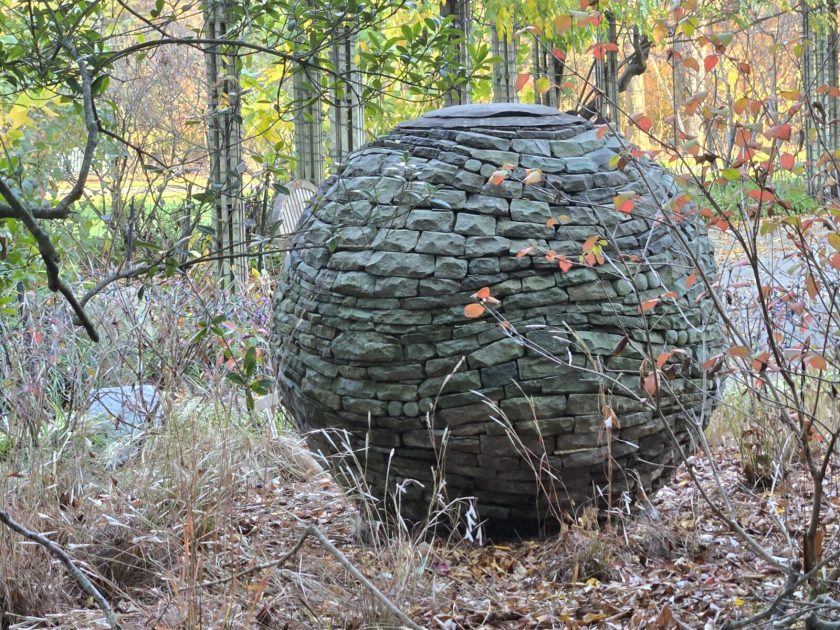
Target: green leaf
(249, 362)
(236, 377)
(731, 174)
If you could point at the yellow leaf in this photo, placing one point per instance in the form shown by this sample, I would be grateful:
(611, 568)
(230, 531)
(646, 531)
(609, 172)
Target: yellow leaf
(834, 240)
(18, 117)
(543, 85)
(660, 32)
(533, 177)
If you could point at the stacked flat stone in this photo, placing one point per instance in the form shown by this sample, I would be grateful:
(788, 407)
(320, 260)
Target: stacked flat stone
(372, 342)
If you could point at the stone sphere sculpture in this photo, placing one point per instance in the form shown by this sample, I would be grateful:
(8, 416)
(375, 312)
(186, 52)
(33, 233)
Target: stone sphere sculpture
(580, 385)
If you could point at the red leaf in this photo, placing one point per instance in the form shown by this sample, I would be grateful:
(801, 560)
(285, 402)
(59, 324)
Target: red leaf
(662, 359)
(650, 384)
(788, 161)
(642, 122)
(602, 131)
(521, 80)
(710, 62)
(524, 251)
(564, 263)
(558, 53)
(624, 203)
(761, 194)
(778, 132)
(482, 294)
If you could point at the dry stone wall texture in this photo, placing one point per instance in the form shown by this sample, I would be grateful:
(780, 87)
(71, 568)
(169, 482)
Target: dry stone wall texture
(371, 336)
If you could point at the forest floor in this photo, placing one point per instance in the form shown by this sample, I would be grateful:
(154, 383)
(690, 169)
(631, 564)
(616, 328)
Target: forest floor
(672, 565)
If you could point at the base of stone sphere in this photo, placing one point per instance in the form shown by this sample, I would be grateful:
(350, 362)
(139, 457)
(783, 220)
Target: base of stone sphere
(401, 492)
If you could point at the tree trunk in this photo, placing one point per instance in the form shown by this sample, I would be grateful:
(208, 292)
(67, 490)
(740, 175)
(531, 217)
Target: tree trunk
(820, 68)
(503, 46)
(224, 139)
(308, 125)
(548, 72)
(682, 88)
(460, 11)
(347, 110)
(611, 106)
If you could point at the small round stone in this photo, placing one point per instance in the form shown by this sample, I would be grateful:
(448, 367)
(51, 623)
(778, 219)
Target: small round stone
(623, 287)
(641, 282)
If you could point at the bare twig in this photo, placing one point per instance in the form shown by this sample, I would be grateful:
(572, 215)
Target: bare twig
(67, 561)
(313, 531)
(274, 564)
(370, 586)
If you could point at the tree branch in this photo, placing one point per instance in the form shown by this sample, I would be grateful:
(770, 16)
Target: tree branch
(58, 553)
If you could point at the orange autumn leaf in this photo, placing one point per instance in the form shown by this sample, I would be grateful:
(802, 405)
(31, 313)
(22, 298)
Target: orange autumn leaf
(690, 280)
(601, 131)
(650, 384)
(648, 305)
(521, 80)
(691, 62)
(662, 359)
(474, 310)
(482, 294)
(562, 23)
(811, 287)
(816, 361)
(642, 122)
(498, 177)
(738, 351)
(564, 263)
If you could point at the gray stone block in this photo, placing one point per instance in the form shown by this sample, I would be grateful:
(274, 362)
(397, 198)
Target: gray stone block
(444, 243)
(475, 224)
